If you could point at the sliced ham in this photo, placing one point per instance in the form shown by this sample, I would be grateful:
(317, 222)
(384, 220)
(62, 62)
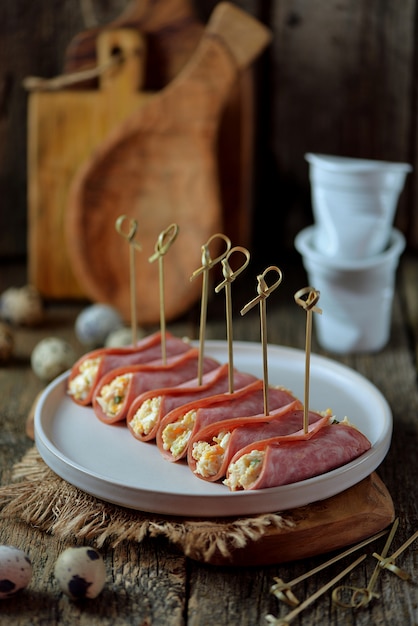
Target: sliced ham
(212, 448)
(91, 367)
(118, 388)
(180, 425)
(149, 408)
(289, 459)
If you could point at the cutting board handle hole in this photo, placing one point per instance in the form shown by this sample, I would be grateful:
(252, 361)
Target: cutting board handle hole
(116, 52)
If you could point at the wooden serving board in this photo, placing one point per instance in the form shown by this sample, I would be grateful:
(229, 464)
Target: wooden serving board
(318, 528)
(173, 31)
(65, 127)
(159, 167)
(332, 524)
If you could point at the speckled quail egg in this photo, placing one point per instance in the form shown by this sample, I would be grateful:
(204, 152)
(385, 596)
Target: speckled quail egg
(15, 570)
(51, 357)
(22, 306)
(80, 572)
(95, 323)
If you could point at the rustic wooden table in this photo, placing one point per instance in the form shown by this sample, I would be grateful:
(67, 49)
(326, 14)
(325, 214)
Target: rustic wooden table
(153, 582)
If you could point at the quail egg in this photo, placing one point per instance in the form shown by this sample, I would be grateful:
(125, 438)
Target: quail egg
(15, 570)
(52, 356)
(95, 323)
(22, 306)
(80, 572)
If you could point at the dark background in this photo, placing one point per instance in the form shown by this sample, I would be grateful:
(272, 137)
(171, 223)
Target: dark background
(339, 77)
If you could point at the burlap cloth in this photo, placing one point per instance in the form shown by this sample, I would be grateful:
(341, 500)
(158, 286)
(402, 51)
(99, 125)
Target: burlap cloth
(40, 498)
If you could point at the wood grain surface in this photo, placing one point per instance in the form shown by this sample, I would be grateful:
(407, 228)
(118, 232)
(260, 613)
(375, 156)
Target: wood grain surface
(173, 29)
(66, 125)
(154, 583)
(324, 526)
(159, 167)
(336, 79)
(65, 128)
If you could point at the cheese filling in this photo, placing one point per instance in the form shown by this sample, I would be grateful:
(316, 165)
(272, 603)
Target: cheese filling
(146, 416)
(112, 396)
(79, 387)
(176, 436)
(209, 456)
(244, 472)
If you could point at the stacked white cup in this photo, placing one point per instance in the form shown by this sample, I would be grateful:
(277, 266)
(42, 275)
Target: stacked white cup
(351, 252)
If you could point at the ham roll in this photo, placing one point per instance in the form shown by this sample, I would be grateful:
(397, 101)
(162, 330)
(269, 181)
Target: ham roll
(149, 408)
(91, 367)
(118, 388)
(291, 458)
(211, 449)
(180, 425)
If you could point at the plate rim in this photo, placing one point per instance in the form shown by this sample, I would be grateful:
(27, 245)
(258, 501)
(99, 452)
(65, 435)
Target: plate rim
(96, 484)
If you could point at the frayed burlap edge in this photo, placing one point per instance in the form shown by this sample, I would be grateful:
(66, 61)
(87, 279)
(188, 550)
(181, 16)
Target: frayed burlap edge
(43, 500)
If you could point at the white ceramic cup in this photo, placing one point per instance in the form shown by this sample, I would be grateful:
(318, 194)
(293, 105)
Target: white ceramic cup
(354, 203)
(355, 296)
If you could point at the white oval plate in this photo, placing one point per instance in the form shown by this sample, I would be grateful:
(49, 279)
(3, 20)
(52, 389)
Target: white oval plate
(106, 461)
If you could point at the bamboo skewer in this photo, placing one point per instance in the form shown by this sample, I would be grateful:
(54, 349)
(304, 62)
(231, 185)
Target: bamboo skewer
(307, 298)
(282, 590)
(290, 616)
(207, 264)
(229, 276)
(164, 241)
(264, 291)
(361, 597)
(133, 245)
(389, 562)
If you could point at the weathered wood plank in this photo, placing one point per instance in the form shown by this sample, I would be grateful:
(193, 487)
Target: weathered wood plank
(31, 42)
(339, 77)
(408, 286)
(153, 583)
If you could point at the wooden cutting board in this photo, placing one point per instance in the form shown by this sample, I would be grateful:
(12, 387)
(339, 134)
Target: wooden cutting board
(173, 31)
(159, 167)
(60, 138)
(65, 127)
(332, 524)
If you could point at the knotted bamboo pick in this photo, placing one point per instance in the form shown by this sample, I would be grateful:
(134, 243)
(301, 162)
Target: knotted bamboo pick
(389, 562)
(309, 304)
(362, 596)
(133, 245)
(207, 264)
(282, 589)
(264, 291)
(281, 621)
(230, 275)
(163, 243)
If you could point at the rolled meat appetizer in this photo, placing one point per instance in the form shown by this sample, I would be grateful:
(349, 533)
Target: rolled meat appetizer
(180, 425)
(148, 409)
(92, 366)
(289, 459)
(211, 449)
(118, 388)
